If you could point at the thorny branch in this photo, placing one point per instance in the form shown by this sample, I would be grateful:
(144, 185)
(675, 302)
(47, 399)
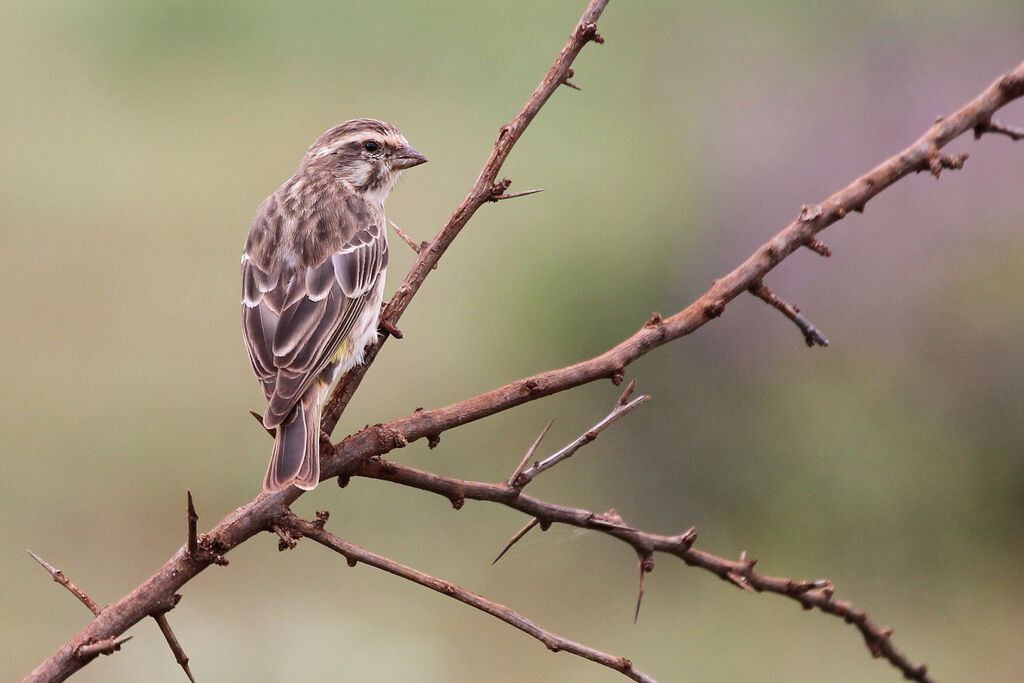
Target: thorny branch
(354, 554)
(352, 455)
(815, 594)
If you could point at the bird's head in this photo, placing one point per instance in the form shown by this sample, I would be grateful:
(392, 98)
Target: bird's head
(366, 153)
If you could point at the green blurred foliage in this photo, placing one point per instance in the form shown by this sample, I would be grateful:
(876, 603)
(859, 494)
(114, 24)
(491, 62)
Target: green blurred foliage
(138, 138)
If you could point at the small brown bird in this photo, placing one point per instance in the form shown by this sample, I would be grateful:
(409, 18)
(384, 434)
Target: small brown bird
(313, 282)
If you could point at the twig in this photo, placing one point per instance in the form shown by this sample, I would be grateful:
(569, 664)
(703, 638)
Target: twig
(811, 334)
(59, 577)
(620, 409)
(408, 240)
(554, 642)
(172, 641)
(810, 594)
(1015, 133)
(515, 538)
(483, 191)
(529, 454)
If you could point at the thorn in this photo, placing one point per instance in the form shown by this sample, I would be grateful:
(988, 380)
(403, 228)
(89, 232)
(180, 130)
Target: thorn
(625, 394)
(259, 418)
(193, 536)
(172, 642)
(408, 240)
(501, 197)
(513, 480)
(58, 577)
(809, 213)
(646, 567)
(515, 538)
(100, 647)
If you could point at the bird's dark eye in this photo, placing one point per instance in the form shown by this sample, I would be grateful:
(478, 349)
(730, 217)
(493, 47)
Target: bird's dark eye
(371, 146)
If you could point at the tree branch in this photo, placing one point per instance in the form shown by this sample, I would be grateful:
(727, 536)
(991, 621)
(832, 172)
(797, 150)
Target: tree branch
(810, 594)
(354, 553)
(484, 190)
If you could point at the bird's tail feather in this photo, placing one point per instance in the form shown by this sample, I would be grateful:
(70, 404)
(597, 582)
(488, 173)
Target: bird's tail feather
(296, 458)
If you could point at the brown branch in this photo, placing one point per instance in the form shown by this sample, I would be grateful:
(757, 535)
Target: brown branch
(811, 333)
(484, 190)
(621, 408)
(1013, 132)
(529, 454)
(349, 456)
(354, 554)
(58, 576)
(810, 594)
(658, 331)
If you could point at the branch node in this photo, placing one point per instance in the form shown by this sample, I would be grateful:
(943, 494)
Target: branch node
(588, 32)
(497, 190)
(433, 440)
(457, 502)
(107, 646)
(654, 321)
(937, 161)
(343, 480)
(321, 519)
(809, 213)
(714, 309)
(618, 375)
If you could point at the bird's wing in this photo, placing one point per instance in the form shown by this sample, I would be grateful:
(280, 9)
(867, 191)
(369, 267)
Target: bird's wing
(296, 317)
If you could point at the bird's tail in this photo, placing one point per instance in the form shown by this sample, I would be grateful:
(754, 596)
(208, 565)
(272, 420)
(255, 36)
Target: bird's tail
(296, 458)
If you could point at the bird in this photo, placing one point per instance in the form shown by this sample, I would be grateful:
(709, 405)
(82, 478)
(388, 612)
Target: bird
(313, 271)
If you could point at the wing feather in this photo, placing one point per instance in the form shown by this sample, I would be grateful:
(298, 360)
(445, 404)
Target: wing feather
(300, 307)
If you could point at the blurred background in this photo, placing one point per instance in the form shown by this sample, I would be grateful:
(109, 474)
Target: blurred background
(137, 140)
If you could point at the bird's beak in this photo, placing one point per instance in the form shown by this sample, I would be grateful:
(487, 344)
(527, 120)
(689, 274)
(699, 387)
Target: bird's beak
(407, 157)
